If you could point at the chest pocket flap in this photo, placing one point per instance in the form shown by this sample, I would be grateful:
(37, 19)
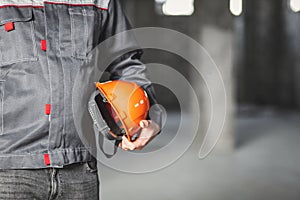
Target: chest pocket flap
(17, 40)
(85, 30)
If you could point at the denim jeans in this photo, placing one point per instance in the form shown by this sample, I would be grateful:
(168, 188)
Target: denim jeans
(76, 181)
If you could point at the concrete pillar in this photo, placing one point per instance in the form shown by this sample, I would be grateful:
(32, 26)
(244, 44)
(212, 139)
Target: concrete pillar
(215, 30)
(270, 54)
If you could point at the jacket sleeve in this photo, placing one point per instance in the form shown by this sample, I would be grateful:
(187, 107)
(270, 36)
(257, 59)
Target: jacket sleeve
(127, 65)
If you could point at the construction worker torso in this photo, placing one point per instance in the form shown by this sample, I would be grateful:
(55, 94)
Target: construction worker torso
(42, 46)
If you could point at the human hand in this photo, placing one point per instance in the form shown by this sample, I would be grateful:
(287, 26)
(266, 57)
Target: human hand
(149, 130)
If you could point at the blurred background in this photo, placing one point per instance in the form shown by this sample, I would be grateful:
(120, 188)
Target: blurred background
(256, 46)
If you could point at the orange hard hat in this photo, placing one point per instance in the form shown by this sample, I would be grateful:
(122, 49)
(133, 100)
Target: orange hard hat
(128, 104)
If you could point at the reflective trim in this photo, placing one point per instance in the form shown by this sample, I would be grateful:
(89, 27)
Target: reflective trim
(103, 4)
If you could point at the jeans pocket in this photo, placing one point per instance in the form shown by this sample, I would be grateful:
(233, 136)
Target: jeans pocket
(91, 166)
(17, 39)
(85, 31)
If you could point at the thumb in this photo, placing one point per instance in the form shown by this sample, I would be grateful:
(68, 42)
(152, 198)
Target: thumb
(144, 123)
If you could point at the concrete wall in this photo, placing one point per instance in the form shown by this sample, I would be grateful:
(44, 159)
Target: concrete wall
(292, 50)
(269, 51)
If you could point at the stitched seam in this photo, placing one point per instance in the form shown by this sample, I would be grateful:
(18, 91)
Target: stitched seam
(1, 114)
(33, 40)
(101, 4)
(50, 82)
(86, 26)
(61, 188)
(72, 34)
(102, 7)
(18, 60)
(63, 74)
(52, 153)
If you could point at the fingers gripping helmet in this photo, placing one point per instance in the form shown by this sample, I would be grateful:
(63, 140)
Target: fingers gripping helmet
(117, 107)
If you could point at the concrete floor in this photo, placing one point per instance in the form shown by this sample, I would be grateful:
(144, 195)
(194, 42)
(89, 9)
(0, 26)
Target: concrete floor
(265, 165)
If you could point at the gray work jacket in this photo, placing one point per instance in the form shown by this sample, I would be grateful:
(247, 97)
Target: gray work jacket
(42, 46)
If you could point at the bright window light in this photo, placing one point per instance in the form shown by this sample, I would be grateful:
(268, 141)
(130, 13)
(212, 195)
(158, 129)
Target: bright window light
(236, 7)
(295, 5)
(178, 7)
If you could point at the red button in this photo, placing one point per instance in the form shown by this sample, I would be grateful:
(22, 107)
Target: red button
(43, 45)
(46, 159)
(48, 109)
(9, 26)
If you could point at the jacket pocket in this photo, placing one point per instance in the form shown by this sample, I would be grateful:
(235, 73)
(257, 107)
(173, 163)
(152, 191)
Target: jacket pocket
(85, 31)
(17, 42)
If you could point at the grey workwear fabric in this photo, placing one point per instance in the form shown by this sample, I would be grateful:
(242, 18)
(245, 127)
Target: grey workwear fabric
(31, 77)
